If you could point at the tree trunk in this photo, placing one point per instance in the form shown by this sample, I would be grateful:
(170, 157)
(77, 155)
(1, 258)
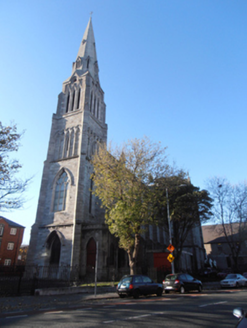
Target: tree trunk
(131, 263)
(133, 253)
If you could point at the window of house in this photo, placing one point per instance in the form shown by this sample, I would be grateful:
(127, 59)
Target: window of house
(10, 246)
(219, 246)
(13, 231)
(7, 262)
(1, 230)
(61, 193)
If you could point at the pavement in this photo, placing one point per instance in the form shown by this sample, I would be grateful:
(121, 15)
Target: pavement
(25, 304)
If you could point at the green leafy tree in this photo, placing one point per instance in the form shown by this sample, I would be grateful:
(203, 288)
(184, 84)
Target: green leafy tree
(122, 178)
(11, 187)
(230, 212)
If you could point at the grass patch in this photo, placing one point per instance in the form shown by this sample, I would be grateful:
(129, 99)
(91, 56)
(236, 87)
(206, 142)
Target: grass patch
(100, 284)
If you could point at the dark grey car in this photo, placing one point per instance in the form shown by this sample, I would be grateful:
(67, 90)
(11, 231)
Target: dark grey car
(136, 285)
(181, 282)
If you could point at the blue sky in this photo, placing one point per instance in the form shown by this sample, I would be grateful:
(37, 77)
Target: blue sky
(175, 71)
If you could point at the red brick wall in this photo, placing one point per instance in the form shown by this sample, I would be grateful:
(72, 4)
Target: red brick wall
(7, 238)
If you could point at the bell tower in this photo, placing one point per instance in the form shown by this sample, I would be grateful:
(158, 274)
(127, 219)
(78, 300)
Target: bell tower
(69, 221)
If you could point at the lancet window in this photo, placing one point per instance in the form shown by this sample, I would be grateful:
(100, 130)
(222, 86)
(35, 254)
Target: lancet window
(61, 188)
(73, 101)
(78, 98)
(91, 102)
(67, 105)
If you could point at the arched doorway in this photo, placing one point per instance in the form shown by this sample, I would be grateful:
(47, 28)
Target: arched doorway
(54, 247)
(91, 255)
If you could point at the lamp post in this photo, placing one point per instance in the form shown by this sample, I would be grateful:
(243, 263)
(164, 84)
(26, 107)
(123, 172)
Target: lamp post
(169, 225)
(169, 221)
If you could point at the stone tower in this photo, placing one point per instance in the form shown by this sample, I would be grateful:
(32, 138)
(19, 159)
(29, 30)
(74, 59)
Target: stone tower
(69, 222)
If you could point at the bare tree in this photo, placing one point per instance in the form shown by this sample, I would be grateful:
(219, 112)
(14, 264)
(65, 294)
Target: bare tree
(230, 211)
(11, 187)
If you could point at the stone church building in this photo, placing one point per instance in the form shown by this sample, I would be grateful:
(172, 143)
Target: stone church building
(69, 229)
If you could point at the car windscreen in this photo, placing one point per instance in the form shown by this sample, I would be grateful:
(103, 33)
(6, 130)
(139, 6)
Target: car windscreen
(231, 276)
(126, 280)
(171, 277)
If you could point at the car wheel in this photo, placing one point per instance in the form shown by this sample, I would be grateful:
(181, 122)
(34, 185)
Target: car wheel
(237, 284)
(167, 291)
(136, 293)
(159, 292)
(199, 289)
(182, 290)
(121, 296)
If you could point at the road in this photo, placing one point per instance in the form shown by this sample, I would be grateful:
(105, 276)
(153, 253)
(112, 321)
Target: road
(171, 311)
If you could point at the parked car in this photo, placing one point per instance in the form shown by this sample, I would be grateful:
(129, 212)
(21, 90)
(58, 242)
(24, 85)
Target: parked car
(233, 280)
(241, 315)
(181, 282)
(136, 285)
(245, 274)
(223, 273)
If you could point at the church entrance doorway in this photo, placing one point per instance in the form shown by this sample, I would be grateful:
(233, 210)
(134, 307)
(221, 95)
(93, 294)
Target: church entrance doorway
(54, 246)
(91, 255)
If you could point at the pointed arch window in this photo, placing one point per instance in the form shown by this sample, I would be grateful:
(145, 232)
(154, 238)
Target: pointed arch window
(71, 146)
(91, 102)
(77, 135)
(98, 109)
(66, 146)
(61, 193)
(90, 196)
(79, 98)
(94, 110)
(73, 100)
(67, 105)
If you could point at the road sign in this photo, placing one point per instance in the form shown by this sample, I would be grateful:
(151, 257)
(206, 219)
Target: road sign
(170, 258)
(170, 248)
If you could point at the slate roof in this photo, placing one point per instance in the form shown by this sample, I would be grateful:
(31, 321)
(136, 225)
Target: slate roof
(214, 233)
(12, 223)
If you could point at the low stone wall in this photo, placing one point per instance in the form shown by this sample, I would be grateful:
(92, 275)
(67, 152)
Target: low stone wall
(72, 290)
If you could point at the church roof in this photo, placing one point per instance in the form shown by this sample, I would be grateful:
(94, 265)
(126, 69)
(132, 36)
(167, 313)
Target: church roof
(215, 233)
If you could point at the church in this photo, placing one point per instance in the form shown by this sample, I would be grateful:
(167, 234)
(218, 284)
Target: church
(69, 232)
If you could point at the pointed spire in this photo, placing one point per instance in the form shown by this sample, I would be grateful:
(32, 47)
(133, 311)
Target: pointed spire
(86, 57)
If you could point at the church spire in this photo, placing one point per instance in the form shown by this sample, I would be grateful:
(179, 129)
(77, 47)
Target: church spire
(86, 58)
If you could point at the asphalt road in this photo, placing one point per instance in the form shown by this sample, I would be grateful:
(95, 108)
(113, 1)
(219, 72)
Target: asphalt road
(175, 310)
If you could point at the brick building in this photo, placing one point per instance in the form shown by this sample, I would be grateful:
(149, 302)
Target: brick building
(11, 235)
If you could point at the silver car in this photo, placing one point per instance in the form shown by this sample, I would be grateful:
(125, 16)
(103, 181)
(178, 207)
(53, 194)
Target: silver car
(233, 280)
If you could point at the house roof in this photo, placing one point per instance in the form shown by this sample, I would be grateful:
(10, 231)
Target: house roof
(215, 233)
(12, 223)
